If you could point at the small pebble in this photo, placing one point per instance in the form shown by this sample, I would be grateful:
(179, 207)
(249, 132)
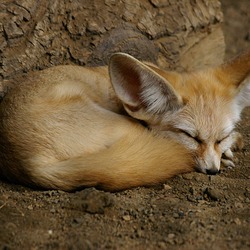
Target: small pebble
(52, 210)
(171, 236)
(176, 215)
(188, 176)
(126, 217)
(167, 187)
(213, 194)
(237, 221)
(30, 207)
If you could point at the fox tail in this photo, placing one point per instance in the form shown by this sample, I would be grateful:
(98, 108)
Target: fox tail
(142, 160)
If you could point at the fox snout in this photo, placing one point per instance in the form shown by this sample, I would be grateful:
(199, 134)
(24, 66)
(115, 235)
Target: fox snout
(209, 162)
(212, 171)
(207, 168)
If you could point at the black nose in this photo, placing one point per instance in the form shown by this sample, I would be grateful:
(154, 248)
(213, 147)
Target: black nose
(212, 171)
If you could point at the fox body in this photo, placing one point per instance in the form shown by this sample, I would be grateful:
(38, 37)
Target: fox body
(121, 126)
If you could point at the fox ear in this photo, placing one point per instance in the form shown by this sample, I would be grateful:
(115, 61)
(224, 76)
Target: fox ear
(236, 73)
(142, 91)
(243, 96)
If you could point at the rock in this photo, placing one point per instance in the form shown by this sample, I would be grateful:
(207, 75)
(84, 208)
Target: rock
(237, 221)
(126, 217)
(171, 236)
(139, 233)
(167, 187)
(188, 176)
(92, 201)
(162, 245)
(12, 30)
(30, 207)
(176, 215)
(213, 193)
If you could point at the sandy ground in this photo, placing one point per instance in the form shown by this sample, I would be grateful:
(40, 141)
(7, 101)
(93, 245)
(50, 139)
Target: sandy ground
(192, 211)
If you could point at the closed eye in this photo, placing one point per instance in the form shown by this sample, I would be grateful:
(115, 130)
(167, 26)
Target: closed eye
(224, 138)
(196, 138)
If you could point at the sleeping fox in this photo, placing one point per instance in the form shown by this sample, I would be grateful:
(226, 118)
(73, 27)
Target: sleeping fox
(125, 125)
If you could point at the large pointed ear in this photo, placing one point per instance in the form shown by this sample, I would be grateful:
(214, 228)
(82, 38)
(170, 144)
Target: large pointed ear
(236, 74)
(143, 92)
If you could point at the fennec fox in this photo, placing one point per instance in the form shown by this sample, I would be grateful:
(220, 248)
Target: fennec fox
(121, 126)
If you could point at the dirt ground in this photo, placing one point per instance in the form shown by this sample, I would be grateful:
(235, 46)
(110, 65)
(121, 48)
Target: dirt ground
(192, 211)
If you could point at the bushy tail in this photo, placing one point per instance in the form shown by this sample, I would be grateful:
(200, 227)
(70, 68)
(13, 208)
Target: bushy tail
(142, 160)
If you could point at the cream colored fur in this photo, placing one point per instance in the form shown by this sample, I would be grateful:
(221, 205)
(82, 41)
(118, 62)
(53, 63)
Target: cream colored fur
(69, 127)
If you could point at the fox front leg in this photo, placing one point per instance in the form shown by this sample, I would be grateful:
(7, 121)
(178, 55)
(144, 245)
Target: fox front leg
(236, 144)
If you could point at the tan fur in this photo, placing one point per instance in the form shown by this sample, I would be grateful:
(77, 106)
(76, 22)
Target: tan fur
(68, 127)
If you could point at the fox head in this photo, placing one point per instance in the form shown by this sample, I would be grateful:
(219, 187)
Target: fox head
(199, 109)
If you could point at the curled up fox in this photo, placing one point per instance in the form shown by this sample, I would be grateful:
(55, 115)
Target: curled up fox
(126, 125)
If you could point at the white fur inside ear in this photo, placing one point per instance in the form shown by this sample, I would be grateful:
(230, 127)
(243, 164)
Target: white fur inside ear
(124, 93)
(153, 95)
(140, 87)
(243, 97)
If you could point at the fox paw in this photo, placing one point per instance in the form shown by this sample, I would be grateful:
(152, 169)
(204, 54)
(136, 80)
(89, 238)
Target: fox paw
(237, 144)
(227, 159)
(227, 162)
